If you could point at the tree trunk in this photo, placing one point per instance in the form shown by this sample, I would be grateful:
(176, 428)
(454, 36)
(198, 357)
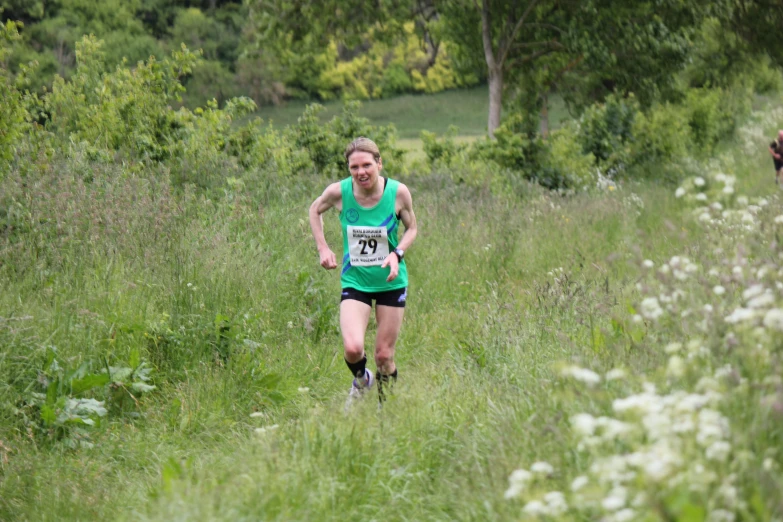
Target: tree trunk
(495, 99)
(495, 69)
(545, 117)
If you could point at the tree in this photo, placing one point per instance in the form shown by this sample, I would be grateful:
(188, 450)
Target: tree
(759, 23)
(508, 34)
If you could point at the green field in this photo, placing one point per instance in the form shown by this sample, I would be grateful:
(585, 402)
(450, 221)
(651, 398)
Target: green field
(516, 297)
(411, 114)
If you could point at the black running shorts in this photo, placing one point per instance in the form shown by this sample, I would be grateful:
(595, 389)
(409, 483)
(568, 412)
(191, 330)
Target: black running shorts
(394, 298)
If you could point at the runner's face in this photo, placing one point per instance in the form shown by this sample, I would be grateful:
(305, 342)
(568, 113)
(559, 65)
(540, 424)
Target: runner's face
(364, 169)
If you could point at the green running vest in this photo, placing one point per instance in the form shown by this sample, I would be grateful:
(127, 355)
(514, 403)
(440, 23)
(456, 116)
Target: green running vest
(369, 235)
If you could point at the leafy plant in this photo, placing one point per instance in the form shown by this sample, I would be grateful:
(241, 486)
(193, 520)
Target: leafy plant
(58, 407)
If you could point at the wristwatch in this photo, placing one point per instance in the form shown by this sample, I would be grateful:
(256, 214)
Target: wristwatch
(400, 253)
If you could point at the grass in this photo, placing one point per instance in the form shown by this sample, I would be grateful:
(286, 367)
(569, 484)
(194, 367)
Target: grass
(226, 300)
(410, 114)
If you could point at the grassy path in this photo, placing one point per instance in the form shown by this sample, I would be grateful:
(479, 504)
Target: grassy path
(240, 324)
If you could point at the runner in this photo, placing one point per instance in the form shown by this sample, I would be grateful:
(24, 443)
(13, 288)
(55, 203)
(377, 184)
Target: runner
(776, 150)
(373, 266)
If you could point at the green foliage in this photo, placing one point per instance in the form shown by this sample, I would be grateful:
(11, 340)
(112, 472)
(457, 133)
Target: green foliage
(714, 114)
(13, 112)
(444, 151)
(555, 163)
(565, 160)
(661, 136)
(721, 59)
(324, 144)
(58, 407)
(607, 131)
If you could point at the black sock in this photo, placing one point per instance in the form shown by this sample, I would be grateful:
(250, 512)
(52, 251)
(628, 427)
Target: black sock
(385, 381)
(357, 368)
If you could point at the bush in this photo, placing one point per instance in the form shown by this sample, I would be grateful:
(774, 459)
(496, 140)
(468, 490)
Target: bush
(324, 144)
(660, 136)
(714, 114)
(444, 151)
(564, 162)
(607, 132)
(555, 163)
(13, 113)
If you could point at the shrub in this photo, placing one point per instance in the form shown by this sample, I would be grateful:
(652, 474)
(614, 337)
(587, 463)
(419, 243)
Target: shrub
(324, 144)
(564, 162)
(660, 136)
(444, 151)
(13, 113)
(607, 132)
(714, 114)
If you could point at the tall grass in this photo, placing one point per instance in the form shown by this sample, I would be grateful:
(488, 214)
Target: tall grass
(225, 299)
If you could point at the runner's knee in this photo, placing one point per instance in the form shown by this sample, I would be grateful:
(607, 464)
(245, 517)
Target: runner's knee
(383, 355)
(354, 351)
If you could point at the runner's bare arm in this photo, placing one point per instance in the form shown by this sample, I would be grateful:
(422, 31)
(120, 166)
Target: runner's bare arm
(332, 197)
(408, 218)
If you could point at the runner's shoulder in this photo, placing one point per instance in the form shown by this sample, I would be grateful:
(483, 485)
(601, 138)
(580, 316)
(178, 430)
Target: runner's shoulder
(333, 192)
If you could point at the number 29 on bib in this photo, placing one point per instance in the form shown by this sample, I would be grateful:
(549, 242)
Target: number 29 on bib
(368, 246)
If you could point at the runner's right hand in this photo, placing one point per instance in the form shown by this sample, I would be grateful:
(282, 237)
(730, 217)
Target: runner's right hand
(328, 260)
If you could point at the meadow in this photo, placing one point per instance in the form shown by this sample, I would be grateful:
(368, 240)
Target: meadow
(545, 357)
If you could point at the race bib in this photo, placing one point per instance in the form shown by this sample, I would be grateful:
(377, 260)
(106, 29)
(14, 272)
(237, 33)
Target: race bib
(368, 246)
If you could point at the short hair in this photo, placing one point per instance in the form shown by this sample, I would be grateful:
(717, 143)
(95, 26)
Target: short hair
(362, 144)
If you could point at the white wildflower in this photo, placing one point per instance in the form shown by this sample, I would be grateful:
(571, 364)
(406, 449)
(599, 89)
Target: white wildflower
(680, 192)
(261, 431)
(762, 301)
(582, 374)
(774, 319)
(728, 190)
(698, 181)
(779, 219)
(650, 308)
(648, 263)
(304, 389)
(676, 366)
(616, 499)
(672, 348)
(580, 482)
(556, 503)
(624, 515)
(718, 290)
(718, 451)
(517, 482)
(584, 424)
(740, 315)
(535, 507)
(753, 291)
(721, 515)
(615, 374)
(543, 468)
(701, 196)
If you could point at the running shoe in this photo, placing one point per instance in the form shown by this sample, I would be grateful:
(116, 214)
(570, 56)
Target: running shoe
(359, 387)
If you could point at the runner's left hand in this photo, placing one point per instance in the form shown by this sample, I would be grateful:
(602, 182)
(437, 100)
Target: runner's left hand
(393, 264)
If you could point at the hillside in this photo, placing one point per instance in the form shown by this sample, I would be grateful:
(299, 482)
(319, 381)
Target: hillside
(531, 317)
